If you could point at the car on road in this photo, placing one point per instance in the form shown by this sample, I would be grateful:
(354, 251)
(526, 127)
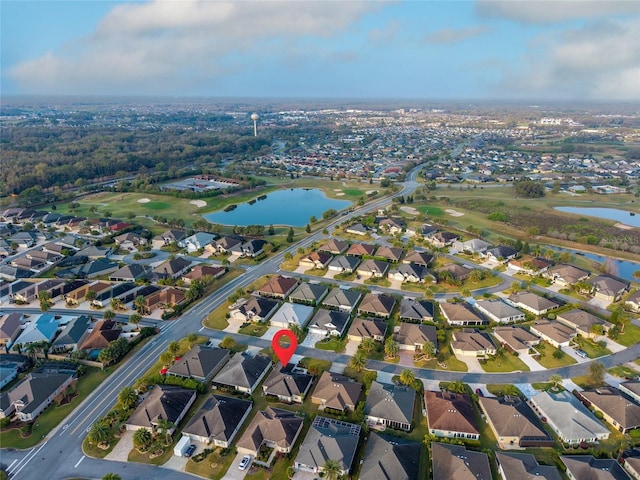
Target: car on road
(244, 463)
(190, 450)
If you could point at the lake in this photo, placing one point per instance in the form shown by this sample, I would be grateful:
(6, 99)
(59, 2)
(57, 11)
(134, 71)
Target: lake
(621, 268)
(291, 207)
(621, 216)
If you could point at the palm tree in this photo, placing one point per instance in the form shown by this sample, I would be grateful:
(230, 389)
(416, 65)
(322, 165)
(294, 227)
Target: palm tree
(140, 304)
(174, 347)
(99, 432)
(127, 397)
(116, 304)
(166, 358)
(368, 344)
(142, 438)
(109, 315)
(192, 338)
(555, 379)
(390, 347)
(296, 330)
(165, 426)
(91, 295)
(135, 318)
(112, 476)
(358, 362)
(331, 469)
(407, 377)
(428, 348)
(228, 342)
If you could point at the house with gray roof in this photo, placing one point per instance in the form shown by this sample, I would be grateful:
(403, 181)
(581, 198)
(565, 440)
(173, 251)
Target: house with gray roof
(255, 309)
(416, 311)
(309, 293)
(334, 246)
(218, 421)
(274, 427)
(390, 254)
(344, 264)
(362, 328)
(164, 402)
(357, 229)
(291, 314)
(390, 458)
(531, 302)
(328, 439)
(287, 383)
(472, 343)
(631, 388)
(456, 462)
(609, 288)
(167, 238)
(172, 268)
(10, 328)
(377, 304)
(390, 406)
(499, 311)
(243, 372)
(33, 394)
(580, 467)
(568, 418)
(341, 299)
(460, 315)
(328, 322)
(582, 322)
(372, 268)
(72, 334)
(554, 332)
(475, 245)
(411, 336)
(196, 241)
(200, 363)
(130, 273)
(633, 301)
(409, 272)
(502, 253)
(566, 275)
(517, 339)
(418, 258)
(336, 392)
(524, 466)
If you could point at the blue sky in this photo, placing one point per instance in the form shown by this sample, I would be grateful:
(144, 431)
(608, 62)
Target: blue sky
(483, 49)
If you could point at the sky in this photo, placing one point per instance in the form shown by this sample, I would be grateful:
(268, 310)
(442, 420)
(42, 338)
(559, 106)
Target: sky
(449, 50)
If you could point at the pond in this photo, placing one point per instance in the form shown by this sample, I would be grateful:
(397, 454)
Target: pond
(622, 216)
(291, 207)
(621, 268)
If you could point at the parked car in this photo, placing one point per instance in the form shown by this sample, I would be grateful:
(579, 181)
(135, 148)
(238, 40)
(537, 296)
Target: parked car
(244, 463)
(190, 450)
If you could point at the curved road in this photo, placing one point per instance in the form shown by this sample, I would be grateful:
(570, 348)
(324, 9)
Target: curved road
(60, 455)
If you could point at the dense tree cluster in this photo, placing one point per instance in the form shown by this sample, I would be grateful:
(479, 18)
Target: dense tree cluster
(529, 189)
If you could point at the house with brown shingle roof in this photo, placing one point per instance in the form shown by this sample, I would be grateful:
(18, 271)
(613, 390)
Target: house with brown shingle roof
(531, 302)
(516, 338)
(172, 268)
(278, 287)
(164, 402)
(460, 315)
(336, 392)
(289, 385)
(273, 427)
(556, 333)
(165, 298)
(10, 328)
(457, 272)
(450, 415)
(104, 332)
(200, 271)
(255, 309)
(317, 260)
(412, 336)
(566, 275)
(419, 258)
(218, 421)
(472, 343)
(377, 304)
(361, 329)
(582, 322)
(334, 246)
(616, 409)
(360, 249)
(455, 462)
(372, 268)
(390, 254)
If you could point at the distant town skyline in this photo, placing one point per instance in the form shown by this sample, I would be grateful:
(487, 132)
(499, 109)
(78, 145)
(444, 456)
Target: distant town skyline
(483, 49)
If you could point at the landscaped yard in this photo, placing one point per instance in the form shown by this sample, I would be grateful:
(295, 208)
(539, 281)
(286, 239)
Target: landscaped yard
(333, 343)
(214, 466)
(254, 329)
(623, 371)
(508, 362)
(448, 362)
(217, 319)
(547, 360)
(630, 336)
(593, 350)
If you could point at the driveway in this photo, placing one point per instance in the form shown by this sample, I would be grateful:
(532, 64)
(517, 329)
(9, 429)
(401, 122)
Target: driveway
(406, 358)
(120, 452)
(351, 348)
(234, 473)
(611, 345)
(234, 325)
(311, 339)
(473, 364)
(268, 335)
(530, 362)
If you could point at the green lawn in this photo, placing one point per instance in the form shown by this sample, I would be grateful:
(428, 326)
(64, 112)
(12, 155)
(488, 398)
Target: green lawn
(335, 344)
(429, 210)
(53, 415)
(449, 362)
(507, 363)
(630, 336)
(254, 329)
(214, 466)
(217, 319)
(547, 360)
(593, 350)
(623, 371)
(501, 390)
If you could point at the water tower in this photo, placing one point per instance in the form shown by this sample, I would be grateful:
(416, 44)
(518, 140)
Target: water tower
(255, 118)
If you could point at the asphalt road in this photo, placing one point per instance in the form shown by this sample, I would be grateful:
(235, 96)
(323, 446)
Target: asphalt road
(60, 455)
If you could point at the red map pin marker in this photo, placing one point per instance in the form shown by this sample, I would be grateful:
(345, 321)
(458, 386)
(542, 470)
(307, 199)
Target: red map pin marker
(284, 353)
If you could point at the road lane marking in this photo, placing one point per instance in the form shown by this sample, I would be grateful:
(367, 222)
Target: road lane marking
(76, 465)
(9, 467)
(26, 461)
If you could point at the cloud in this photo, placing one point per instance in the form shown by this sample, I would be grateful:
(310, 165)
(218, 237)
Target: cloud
(598, 61)
(385, 35)
(538, 11)
(163, 47)
(456, 35)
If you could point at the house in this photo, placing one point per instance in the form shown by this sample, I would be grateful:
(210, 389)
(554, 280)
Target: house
(556, 333)
(391, 254)
(94, 268)
(167, 238)
(530, 265)
(72, 334)
(49, 258)
(392, 225)
(357, 229)
(42, 329)
(218, 421)
(502, 253)
(418, 258)
(632, 466)
(609, 288)
(419, 311)
(411, 336)
(251, 248)
(33, 394)
(336, 392)
(428, 230)
(93, 252)
(228, 244)
(255, 309)
(343, 264)
(278, 287)
(309, 293)
(390, 405)
(566, 275)
(291, 314)
(166, 298)
(361, 329)
(328, 322)
(456, 462)
(472, 343)
(390, 458)
(341, 299)
(517, 339)
(163, 403)
(361, 249)
(633, 302)
(410, 273)
(615, 408)
(631, 388)
(572, 422)
(130, 273)
(27, 263)
(200, 272)
(196, 241)
(75, 291)
(442, 239)
(334, 246)
(317, 260)
(582, 322)
(456, 272)
(103, 333)
(524, 466)
(129, 241)
(274, 428)
(172, 268)
(377, 305)
(243, 373)
(513, 423)
(499, 311)
(9, 328)
(475, 245)
(200, 363)
(532, 303)
(287, 383)
(460, 315)
(579, 467)
(450, 415)
(328, 439)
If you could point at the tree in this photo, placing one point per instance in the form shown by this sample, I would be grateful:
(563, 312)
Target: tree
(142, 438)
(109, 315)
(290, 235)
(331, 469)
(140, 304)
(192, 338)
(165, 427)
(296, 330)
(135, 318)
(166, 358)
(228, 343)
(45, 300)
(174, 347)
(116, 304)
(620, 318)
(407, 377)
(91, 295)
(428, 348)
(112, 476)
(596, 374)
(307, 228)
(368, 344)
(127, 397)
(555, 379)
(529, 189)
(358, 362)
(390, 347)
(99, 431)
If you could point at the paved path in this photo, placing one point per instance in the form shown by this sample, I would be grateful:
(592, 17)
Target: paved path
(121, 451)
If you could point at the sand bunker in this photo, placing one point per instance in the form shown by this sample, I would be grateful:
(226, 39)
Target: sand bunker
(143, 200)
(370, 191)
(454, 213)
(337, 189)
(198, 203)
(339, 194)
(622, 226)
(410, 210)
